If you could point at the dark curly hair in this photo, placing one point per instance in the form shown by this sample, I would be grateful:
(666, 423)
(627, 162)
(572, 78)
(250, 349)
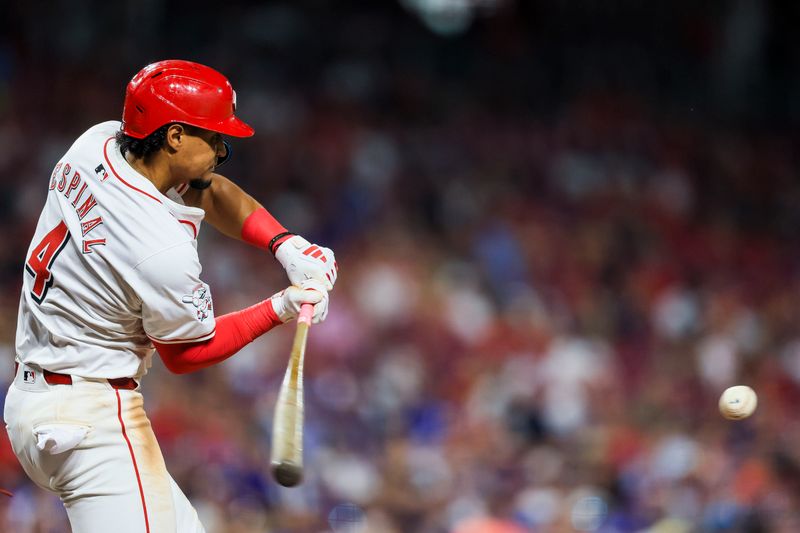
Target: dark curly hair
(143, 148)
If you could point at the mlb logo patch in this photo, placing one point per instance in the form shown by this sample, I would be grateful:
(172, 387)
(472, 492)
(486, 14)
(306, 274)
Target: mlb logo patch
(28, 376)
(100, 170)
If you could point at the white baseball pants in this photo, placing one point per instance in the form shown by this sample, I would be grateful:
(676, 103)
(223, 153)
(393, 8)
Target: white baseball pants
(93, 446)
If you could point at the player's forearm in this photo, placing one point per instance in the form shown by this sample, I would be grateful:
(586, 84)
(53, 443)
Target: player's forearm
(233, 332)
(234, 212)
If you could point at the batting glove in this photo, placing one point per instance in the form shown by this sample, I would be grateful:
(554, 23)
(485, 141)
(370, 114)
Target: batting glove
(287, 302)
(304, 261)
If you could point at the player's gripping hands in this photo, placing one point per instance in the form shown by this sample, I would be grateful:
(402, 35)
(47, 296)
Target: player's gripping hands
(304, 261)
(301, 259)
(286, 303)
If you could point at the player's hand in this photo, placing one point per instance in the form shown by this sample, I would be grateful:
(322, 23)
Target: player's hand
(287, 302)
(304, 261)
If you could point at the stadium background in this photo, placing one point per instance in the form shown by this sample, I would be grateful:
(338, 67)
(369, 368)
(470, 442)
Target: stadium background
(564, 227)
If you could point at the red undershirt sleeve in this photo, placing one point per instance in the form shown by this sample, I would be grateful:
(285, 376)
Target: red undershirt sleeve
(234, 331)
(260, 227)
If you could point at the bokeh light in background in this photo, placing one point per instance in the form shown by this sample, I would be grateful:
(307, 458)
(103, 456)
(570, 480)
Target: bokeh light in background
(451, 17)
(564, 227)
(347, 518)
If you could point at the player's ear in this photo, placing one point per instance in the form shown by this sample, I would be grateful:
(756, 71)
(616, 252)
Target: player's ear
(174, 137)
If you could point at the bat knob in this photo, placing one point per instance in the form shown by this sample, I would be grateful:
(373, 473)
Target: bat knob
(287, 473)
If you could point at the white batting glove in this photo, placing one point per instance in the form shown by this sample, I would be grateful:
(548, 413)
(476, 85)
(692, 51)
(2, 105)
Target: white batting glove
(304, 261)
(287, 302)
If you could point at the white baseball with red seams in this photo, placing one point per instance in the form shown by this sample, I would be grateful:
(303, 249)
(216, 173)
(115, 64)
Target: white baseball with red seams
(113, 264)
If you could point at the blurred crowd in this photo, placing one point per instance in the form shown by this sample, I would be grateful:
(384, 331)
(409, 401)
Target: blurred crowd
(540, 299)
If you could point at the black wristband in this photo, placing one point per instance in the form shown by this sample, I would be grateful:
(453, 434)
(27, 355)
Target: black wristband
(275, 239)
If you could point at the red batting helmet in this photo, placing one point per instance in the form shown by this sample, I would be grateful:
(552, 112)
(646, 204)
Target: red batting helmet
(180, 91)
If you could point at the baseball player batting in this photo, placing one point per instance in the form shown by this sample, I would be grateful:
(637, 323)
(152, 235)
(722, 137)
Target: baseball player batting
(112, 272)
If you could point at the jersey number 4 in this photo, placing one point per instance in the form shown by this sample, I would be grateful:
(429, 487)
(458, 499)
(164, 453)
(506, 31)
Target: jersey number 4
(41, 260)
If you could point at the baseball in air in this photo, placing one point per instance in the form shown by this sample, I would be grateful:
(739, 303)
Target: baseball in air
(738, 402)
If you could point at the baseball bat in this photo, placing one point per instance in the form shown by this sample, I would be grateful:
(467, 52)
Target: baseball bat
(287, 426)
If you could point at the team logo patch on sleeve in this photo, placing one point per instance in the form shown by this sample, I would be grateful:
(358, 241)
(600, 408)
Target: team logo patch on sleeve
(201, 300)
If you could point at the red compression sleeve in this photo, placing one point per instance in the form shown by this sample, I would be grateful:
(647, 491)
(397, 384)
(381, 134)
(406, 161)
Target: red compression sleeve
(259, 228)
(233, 332)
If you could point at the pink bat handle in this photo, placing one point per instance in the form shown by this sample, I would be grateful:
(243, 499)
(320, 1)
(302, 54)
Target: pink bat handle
(306, 310)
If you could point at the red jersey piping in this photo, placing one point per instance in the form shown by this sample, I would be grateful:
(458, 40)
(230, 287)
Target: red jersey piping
(114, 171)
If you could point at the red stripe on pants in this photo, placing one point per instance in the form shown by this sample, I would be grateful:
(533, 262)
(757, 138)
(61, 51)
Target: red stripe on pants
(133, 458)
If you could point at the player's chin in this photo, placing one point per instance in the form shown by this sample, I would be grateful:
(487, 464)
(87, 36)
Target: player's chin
(198, 172)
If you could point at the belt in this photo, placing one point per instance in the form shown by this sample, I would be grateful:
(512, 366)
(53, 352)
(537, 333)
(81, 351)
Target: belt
(54, 378)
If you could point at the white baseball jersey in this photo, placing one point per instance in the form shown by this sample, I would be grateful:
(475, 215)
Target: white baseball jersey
(113, 264)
